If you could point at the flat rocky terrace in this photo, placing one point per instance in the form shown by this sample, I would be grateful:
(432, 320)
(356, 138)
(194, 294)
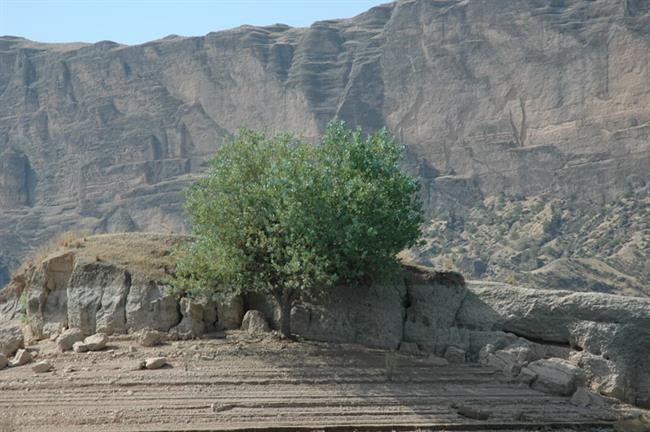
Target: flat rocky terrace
(234, 381)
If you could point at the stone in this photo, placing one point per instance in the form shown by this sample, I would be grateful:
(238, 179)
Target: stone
(155, 362)
(584, 398)
(11, 339)
(96, 342)
(4, 361)
(97, 294)
(46, 295)
(527, 376)
(255, 323)
(192, 323)
(21, 358)
(369, 315)
(66, 340)
(455, 355)
(555, 376)
(42, 367)
(472, 412)
(80, 347)
(150, 338)
(434, 299)
(230, 313)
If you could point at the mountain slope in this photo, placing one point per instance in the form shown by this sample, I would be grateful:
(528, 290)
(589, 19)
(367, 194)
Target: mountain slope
(533, 98)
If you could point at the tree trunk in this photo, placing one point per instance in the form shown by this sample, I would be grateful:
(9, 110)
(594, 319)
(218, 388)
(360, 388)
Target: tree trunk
(285, 315)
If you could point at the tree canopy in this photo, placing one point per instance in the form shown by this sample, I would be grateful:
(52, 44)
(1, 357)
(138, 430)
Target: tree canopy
(286, 218)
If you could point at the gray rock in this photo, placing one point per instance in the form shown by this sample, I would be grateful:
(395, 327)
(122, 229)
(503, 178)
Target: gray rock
(584, 398)
(66, 340)
(42, 367)
(80, 347)
(151, 305)
(4, 361)
(150, 338)
(97, 294)
(230, 314)
(47, 295)
(255, 323)
(433, 301)
(96, 342)
(544, 314)
(192, 324)
(455, 355)
(21, 358)
(555, 376)
(473, 412)
(11, 339)
(155, 362)
(510, 360)
(368, 315)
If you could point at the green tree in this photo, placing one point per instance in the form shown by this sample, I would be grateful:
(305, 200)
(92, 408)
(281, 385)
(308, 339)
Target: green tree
(287, 219)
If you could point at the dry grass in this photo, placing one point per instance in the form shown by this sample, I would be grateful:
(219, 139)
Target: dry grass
(149, 255)
(63, 241)
(146, 254)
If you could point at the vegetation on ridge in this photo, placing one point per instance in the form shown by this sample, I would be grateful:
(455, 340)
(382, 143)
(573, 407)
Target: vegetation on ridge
(285, 218)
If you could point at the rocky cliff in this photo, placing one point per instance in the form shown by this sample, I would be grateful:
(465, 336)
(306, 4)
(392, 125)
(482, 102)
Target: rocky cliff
(555, 341)
(530, 98)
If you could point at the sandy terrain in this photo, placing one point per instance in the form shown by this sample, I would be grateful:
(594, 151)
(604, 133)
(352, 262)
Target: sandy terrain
(239, 382)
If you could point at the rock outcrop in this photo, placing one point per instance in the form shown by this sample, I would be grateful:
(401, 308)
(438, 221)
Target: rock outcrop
(530, 97)
(554, 340)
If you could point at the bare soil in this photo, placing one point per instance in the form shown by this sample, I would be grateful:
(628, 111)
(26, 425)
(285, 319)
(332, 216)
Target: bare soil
(237, 382)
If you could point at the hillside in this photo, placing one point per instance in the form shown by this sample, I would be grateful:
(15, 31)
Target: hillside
(538, 101)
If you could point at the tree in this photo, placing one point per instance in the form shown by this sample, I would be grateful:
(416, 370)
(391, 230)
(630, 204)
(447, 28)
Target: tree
(288, 219)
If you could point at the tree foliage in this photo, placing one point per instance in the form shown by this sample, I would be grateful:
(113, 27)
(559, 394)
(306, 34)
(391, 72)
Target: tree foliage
(282, 217)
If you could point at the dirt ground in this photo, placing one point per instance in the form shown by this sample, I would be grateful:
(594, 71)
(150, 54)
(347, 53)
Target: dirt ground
(235, 381)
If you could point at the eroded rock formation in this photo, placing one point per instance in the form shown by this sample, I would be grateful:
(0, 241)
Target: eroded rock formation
(530, 97)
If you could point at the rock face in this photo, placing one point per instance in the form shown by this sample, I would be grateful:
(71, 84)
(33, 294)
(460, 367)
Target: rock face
(526, 98)
(551, 339)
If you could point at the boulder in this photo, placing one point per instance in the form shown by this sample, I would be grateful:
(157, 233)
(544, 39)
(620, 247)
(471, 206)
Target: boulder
(510, 360)
(96, 342)
(455, 355)
(80, 347)
(614, 327)
(155, 362)
(255, 323)
(548, 315)
(192, 323)
(42, 367)
(149, 338)
(584, 398)
(66, 340)
(11, 339)
(21, 358)
(555, 376)
(4, 361)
